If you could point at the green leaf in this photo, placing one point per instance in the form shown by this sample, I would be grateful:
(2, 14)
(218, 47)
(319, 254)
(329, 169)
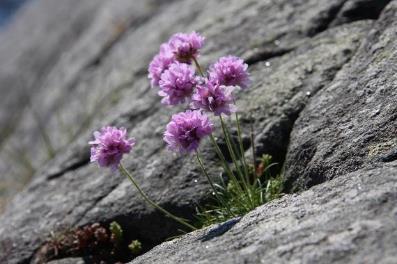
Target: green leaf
(116, 230)
(135, 247)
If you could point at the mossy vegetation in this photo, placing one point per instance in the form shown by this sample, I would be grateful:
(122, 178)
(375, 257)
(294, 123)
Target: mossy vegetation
(95, 243)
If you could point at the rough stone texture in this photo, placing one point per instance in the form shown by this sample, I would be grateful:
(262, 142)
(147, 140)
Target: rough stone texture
(68, 261)
(294, 48)
(352, 123)
(351, 219)
(353, 10)
(348, 125)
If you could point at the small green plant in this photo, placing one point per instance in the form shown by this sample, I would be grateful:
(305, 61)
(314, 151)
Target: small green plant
(261, 187)
(117, 232)
(135, 247)
(97, 242)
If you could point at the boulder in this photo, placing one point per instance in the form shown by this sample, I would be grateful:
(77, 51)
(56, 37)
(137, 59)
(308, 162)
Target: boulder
(296, 54)
(352, 123)
(350, 219)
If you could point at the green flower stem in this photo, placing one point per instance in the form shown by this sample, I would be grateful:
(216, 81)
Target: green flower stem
(220, 200)
(253, 152)
(198, 67)
(229, 145)
(226, 167)
(147, 199)
(225, 163)
(228, 142)
(240, 140)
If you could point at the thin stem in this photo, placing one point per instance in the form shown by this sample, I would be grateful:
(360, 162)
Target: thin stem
(228, 143)
(205, 172)
(253, 148)
(198, 66)
(220, 200)
(224, 163)
(240, 140)
(147, 199)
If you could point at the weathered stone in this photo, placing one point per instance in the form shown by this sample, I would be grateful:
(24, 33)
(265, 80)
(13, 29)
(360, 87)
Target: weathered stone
(351, 219)
(25, 60)
(68, 261)
(277, 105)
(353, 10)
(82, 85)
(29, 48)
(353, 122)
(30, 140)
(101, 79)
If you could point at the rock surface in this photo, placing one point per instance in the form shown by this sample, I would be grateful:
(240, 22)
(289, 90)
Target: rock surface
(351, 219)
(323, 100)
(352, 123)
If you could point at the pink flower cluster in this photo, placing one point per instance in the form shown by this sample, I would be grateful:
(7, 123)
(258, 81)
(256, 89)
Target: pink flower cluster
(172, 71)
(230, 70)
(213, 97)
(186, 46)
(160, 64)
(186, 129)
(109, 146)
(177, 83)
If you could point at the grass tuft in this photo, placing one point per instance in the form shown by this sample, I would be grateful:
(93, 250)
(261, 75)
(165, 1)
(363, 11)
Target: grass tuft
(262, 188)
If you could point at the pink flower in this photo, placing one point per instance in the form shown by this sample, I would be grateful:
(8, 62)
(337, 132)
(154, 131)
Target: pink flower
(159, 64)
(214, 98)
(185, 131)
(109, 146)
(230, 71)
(177, 83)
(186, 46)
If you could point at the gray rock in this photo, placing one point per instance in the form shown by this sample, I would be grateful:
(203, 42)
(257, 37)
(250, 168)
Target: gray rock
(28, 141)
(93, 82)
(29, 48)
(351, 123)
(31, 45)
(351, 219)
(353, 10)
(101, 79)
(68, 261)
